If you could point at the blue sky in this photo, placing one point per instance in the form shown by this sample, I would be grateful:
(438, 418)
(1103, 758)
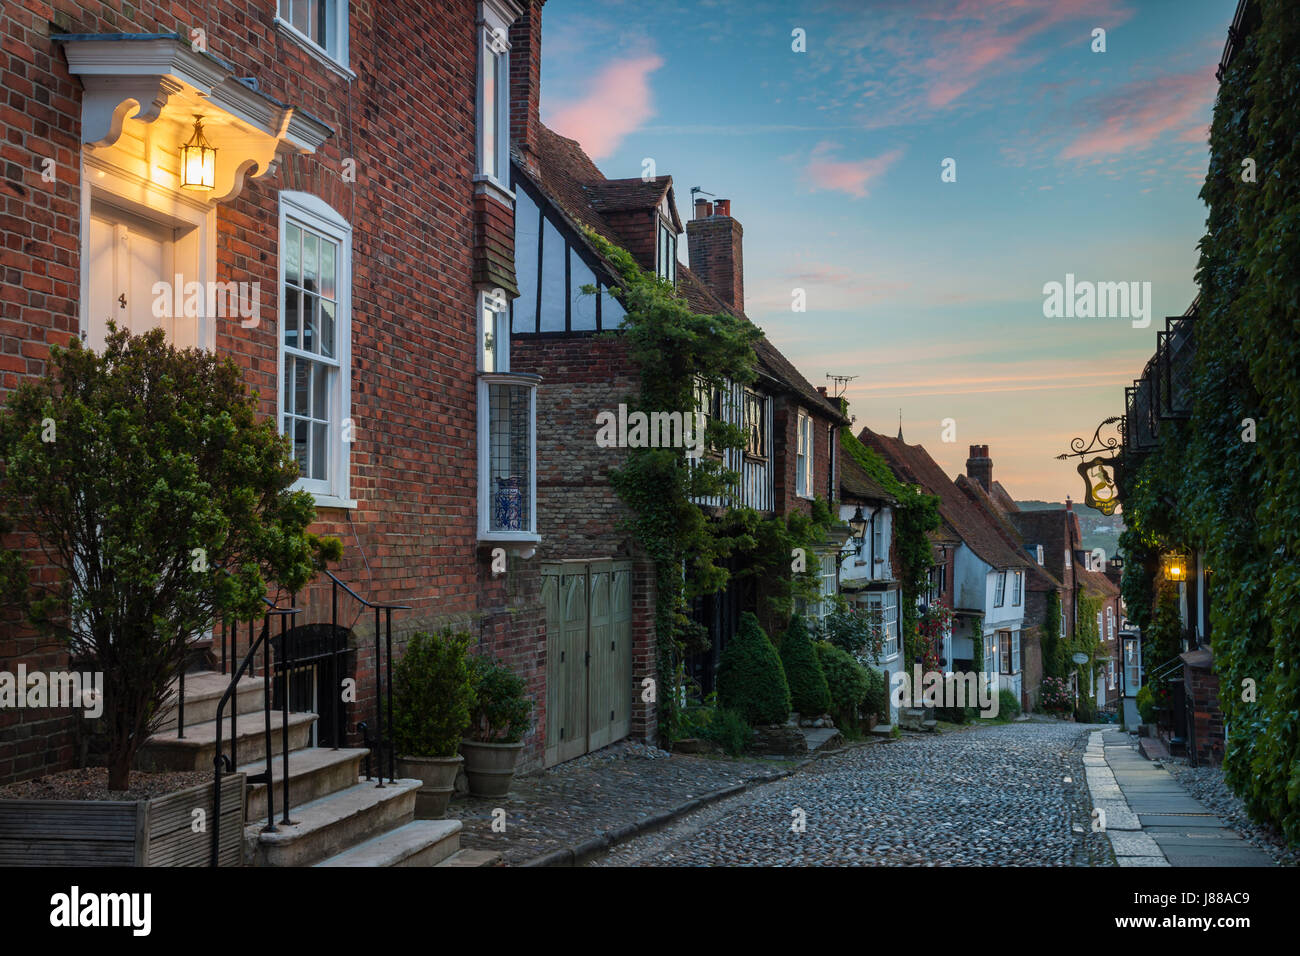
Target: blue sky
(931, 292)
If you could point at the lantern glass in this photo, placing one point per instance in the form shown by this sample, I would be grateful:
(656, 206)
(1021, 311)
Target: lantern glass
(198, 161)
(1174, 565)
(858, 523)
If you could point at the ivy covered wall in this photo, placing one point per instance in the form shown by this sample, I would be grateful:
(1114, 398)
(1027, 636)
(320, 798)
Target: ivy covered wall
(1227, 481)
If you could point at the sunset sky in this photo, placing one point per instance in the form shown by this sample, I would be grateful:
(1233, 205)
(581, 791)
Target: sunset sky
(1067, 161)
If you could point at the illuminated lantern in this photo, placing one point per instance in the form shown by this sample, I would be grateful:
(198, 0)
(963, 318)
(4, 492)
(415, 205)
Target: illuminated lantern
(1174, 565)
(198, 160)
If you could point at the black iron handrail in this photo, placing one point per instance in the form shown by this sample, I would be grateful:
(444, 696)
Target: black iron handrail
(383, 679)
(231, 763)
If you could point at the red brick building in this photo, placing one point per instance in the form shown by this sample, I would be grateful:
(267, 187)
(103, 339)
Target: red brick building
(361, 189)
(597, 586)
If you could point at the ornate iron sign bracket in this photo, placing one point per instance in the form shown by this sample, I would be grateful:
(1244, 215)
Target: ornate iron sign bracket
(1097, 471)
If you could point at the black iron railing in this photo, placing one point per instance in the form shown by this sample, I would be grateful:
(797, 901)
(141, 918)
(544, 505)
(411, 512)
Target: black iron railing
(278, 658)
(377, 742)
(230, 763)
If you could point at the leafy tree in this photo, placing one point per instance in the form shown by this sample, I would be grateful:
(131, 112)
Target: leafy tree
(809, 695)
(148, 482)
(751, 679)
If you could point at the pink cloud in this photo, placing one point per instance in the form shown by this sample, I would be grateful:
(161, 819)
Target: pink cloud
(618, 103)
(846, 176)
(1134, 117)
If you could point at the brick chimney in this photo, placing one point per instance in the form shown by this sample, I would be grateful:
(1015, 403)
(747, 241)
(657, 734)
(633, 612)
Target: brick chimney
(526, 81)
(979, 466)
(714, 242)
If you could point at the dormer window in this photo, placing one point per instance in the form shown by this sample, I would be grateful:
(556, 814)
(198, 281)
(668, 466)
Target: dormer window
(493, 95)
(666, 257)
(1038, 552)
(803, 477)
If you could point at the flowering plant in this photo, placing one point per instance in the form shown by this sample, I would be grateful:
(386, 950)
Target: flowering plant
(1055, 695)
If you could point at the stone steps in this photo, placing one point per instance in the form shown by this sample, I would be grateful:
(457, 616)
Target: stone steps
(882, 730)
(196, 749)
(329, 825)
(203, 691)
(418, 843)
(474, 858)
(314, 772)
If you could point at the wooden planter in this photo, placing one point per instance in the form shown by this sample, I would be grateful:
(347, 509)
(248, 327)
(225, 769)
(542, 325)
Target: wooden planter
(154, 832)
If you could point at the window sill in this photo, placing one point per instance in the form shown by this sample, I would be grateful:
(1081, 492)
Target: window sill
(509, 537)
(286, 29)
(491, 186)
(333, 501)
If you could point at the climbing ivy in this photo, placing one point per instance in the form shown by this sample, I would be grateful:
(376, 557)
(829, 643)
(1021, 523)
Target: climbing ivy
(1051, 636)
(674, 349)
(1226, 482)
(915, 515)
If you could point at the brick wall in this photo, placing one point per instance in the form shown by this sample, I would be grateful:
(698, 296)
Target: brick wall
(1207, 718)
(579, 511)
(408, 121)
(785, 441)
(716, 253)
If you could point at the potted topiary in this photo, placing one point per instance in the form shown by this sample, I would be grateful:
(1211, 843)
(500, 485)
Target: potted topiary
(433, 694)
(500, 720)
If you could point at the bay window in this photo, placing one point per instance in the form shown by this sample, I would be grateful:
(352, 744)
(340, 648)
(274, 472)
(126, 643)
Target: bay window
(883, 607)
(507, 408)
(315, 344)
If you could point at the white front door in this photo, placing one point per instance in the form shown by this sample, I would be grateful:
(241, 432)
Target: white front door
(128, 255)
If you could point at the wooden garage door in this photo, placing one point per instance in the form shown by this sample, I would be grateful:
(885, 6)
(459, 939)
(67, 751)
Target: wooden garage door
(589, 656)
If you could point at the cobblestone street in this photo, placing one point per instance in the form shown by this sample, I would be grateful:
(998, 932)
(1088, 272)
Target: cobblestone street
(1009, 795)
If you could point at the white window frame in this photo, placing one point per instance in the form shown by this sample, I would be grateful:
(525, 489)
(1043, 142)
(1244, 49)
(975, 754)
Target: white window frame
(485, 531)
(313, 213)
(880, 604)
(803, 485)
(1000, 589)
(493, 32)
(1110, 623)
(493, 320)
(1038, 553)
(666, 252)
(1013, 652)
(284, 24)
(1018, 589)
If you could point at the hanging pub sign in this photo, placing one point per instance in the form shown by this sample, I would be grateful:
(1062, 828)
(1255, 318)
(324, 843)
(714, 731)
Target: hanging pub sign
(1099, 484)
(1098, 473)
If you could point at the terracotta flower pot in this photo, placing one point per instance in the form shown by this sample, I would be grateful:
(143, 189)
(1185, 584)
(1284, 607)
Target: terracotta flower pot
(439, 777)
(490, 768)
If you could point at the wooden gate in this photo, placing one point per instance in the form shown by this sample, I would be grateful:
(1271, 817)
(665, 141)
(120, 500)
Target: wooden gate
(588, 656)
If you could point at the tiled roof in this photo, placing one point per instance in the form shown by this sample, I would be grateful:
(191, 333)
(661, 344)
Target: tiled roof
(611, 195)
(1038, 579)
(1055, 529)
(1095, 581)
(1006, 504)
(856, 483)
(913, 464)
(574, 184)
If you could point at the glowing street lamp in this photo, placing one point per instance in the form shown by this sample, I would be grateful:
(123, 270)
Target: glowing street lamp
(1174, 565)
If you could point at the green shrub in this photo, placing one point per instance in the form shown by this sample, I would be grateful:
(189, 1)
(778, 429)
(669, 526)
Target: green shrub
(846, 680)
(502, 708)
(751, 680)
(1146, 704)
(433, 692)
(876, 700)
(809, 694)
(729, 730)
(1084, 712)
(1008, 704)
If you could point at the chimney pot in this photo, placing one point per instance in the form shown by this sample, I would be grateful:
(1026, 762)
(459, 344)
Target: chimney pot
(701, 208)
(979, 467)
(708, 209)
(821, 390)
(723, 207)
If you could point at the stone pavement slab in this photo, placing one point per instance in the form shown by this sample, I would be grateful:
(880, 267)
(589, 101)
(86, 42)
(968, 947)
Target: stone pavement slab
(1175, 826)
